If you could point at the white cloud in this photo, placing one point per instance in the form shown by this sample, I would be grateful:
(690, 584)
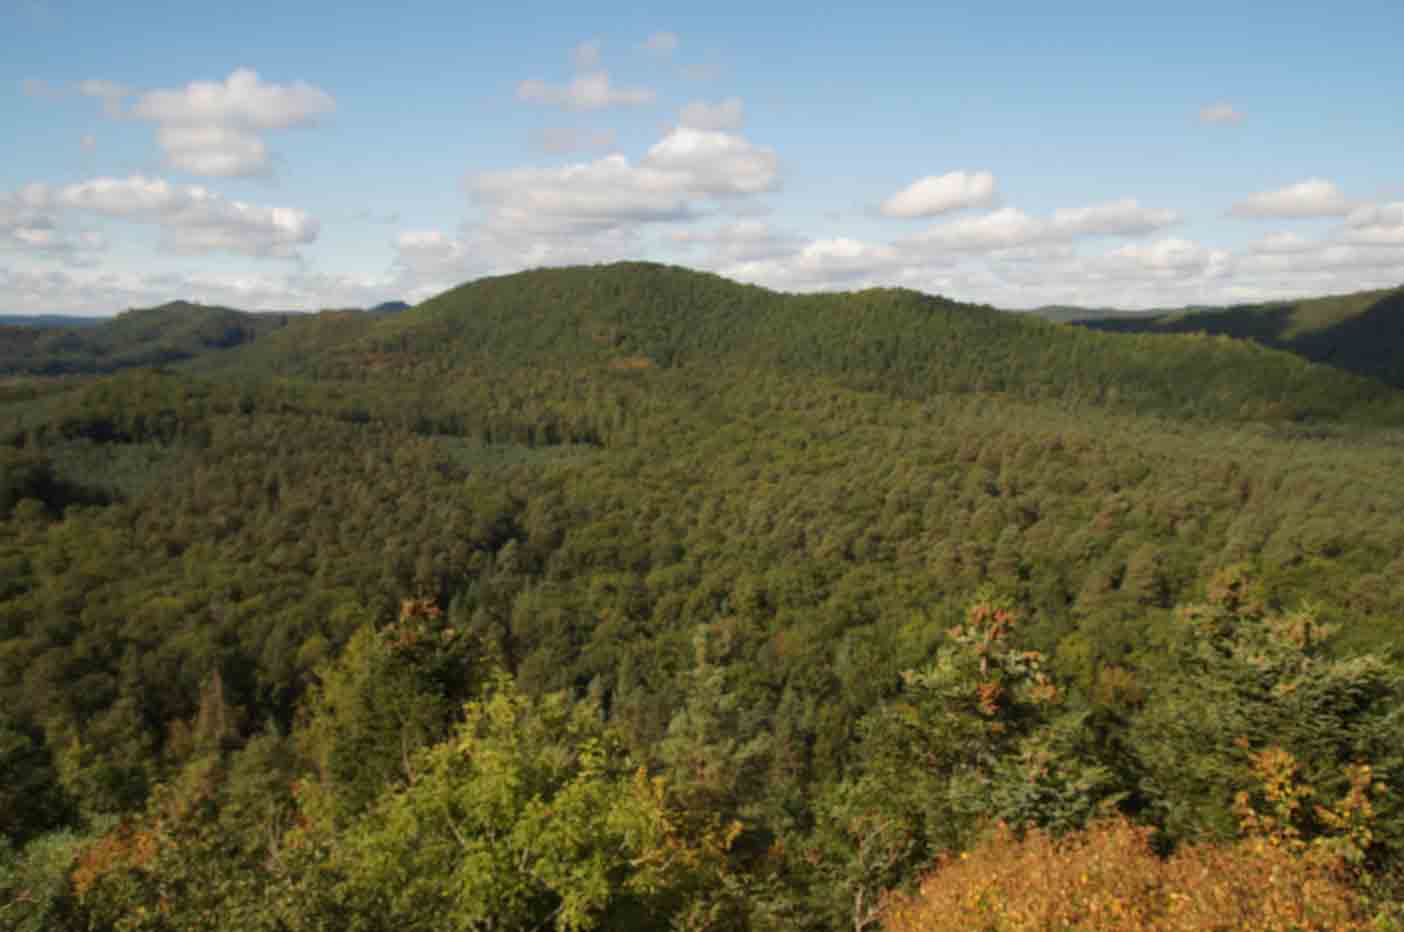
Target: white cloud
(661, 43)
(711, 163)
(1314, 197)
(1220, 114)
(29, 223)
(745, 240)
(577, 198)
(1172, 257)
(1376, 225)
(432, 255)
(193, 218)
(586, 55)
(1351, 267)
(559, 139)
(1280, 243)
(685, 167)
(241, 100)
(213, 150)
(589, 91)
(215, 128)
(725, 114)
(1001, 229)
(1010, 228)
(1125, 217)
(938, 194)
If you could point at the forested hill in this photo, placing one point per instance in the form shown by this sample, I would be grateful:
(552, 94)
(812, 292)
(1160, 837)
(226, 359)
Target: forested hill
(140, 337)
(631, 598)
(1361, 332)
(638, 315)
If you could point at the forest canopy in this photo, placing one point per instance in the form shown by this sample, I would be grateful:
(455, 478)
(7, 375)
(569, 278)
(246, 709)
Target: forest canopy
(631, 597)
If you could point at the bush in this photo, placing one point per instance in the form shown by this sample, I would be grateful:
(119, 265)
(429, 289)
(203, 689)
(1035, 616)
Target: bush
(1107, 877)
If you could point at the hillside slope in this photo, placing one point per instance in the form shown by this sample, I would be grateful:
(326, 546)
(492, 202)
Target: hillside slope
(640, 316)
(1361, 333)
(145, 337)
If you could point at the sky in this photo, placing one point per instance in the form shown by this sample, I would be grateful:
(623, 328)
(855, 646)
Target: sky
(305, 155)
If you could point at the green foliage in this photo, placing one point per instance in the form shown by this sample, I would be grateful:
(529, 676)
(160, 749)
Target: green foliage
(151, 337)
(1356, 332)
(35, 895)
(530, 816)
(1251, 678)
(747, 541)
(390, 693)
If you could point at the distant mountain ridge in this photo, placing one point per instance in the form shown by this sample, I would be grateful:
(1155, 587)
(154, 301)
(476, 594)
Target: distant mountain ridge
(636, 315)
(1361, 332)
(154, 336)
(49, 320)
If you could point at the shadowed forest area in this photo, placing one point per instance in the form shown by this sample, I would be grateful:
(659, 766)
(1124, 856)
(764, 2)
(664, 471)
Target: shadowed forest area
(629, 597)
(1359, 333)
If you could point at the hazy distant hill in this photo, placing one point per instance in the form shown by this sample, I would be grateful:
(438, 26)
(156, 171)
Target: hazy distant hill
(1361, 332)
(152, 336)
(49, 320)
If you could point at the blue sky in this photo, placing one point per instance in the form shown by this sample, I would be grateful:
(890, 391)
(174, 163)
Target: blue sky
(307, 155)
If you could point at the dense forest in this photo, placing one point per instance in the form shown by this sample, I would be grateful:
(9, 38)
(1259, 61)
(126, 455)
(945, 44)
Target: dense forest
(155, 336)
(628, 597)
(1357, 332)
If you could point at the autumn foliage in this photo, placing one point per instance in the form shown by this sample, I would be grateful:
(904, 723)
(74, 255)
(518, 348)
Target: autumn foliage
(1108, 877)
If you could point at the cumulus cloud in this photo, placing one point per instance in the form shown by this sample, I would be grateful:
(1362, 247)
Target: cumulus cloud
(938, 194)
(711, 163)
(686, 166)
(1172, 257)
(1010, 228)
(1000, 229)
(1280, 243)
(590, 91)
(432, 254)
(1315, 197)
(1220, 114)
(212, 150)
(745, 240)
(728, 114)
(193, 218)
(661, 43)
(1376, 225)
(1125, 217)
(577, 198)
(29, 223)
(216, 128)
(824, 263)
(240, 100)
(558, 139)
